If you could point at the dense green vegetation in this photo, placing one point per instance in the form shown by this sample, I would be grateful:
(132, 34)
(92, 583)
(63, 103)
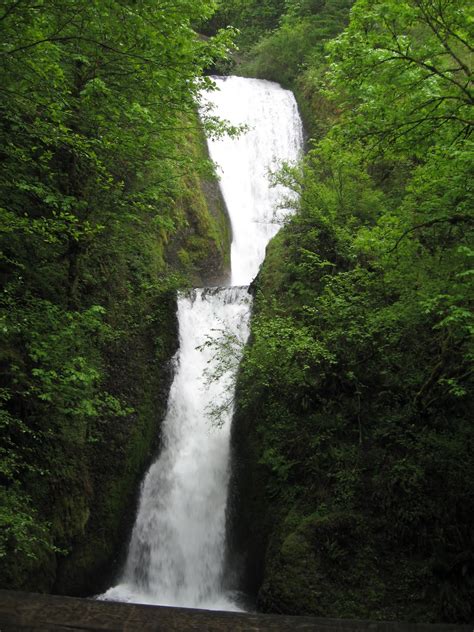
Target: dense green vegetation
(103, 213)
(252, 18)
(285, 42)
(353, 431)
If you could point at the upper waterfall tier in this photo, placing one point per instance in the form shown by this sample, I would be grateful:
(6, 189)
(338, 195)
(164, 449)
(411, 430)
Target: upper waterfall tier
(274, 135)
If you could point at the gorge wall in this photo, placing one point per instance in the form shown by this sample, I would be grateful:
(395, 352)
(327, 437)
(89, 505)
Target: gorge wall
(108, 204)
(86, 492)
(352, 430)
(138, 371)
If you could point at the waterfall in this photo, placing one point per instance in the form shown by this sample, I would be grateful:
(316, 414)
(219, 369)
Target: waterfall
(274, 135)
(177, 547)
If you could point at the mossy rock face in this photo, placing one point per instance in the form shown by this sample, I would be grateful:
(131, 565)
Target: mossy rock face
(345, 496)
(141, 371)
(85, 500)
(321, 568)
(201, 247)
(249, 515)
(292, 567)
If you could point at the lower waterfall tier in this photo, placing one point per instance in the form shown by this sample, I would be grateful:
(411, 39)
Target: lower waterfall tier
(177, 548)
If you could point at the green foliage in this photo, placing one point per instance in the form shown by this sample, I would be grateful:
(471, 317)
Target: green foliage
(22, 534)
(298, 44)
(405, 69)
(288, 48)
(103, 171)
(355, 394)
(253, 18)
(226, 350)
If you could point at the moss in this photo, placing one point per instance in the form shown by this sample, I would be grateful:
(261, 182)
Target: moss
(272, 275)
(92, 465)
(345, 500)
(138, 369)
(201, 248)
(302, 554)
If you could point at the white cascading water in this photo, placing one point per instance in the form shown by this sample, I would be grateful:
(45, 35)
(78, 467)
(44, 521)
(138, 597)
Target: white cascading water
(177, 547)
(275, 135)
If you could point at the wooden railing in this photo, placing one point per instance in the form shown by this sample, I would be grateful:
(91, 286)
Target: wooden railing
(25, 611)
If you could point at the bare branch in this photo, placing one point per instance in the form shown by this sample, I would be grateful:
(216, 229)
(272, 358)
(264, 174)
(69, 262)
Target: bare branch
(10, 10)
(455, 219)
(431, 21)
(399, 54)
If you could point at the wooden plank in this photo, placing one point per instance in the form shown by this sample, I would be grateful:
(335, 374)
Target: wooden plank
(21, 612)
